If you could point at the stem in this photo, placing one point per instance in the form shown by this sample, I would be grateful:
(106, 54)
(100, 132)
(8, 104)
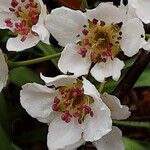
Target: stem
(32, 61)
(84, 5)
(135, 124)
(101, 87)
(147, 36)
(132, 75)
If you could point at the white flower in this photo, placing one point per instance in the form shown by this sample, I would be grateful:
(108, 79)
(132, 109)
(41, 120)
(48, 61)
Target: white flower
(114, 137)
(141, 8)
(118, 111)
(72, 108)
(112, 140)
(26, 19)
(95, 37)
(147, 45)
(3, 71)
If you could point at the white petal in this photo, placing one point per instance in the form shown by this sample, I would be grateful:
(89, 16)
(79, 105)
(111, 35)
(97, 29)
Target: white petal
(15, 44)
(99, 125)
(5, 5)
(3, 71)
(60, 80)
(113, 140)
(142, 8)
(106, 69)
(37, 100)
(132, 41)
(108, 13)
(40, 27)
(74, 146)
(65, 24)
(71, 61)
(62, 134)
(118, 111)
(147, 45)
(89, 89)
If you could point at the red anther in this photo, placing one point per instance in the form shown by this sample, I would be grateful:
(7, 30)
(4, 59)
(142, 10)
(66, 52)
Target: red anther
(19, 9)
(104, 59)
(76, 115)
(55, 107)
(104, 54)
(86, 42)
(56, 100)
(23, 38)
(33, 4)
(31, 0)
(82, 52)
(93, 56)
(23, 1)
(12, 9)
(87, 109)
(66, 117)
(95, 21)
(102, 23)
(76, 92)
(85, 31)
(91, 113)
(9, 23)
(80, 121)
(14, 3)
(27, 6)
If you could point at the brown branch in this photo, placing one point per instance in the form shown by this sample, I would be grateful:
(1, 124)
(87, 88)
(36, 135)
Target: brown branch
(127, 83)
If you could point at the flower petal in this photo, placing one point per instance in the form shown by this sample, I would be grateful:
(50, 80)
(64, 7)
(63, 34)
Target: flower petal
(147, 45)
(99, 125)
(3, 71)
(131, 43)
(118, 111)
(65, 24)
(90, 89)
(106, 69)
(5, 5)
(15, 44)
(108, 13)
(40, 27)
(142, 9)
(60, 80)
(74, 146)
(112, 139)
(37, 100)
(62, 134)
(71, 61)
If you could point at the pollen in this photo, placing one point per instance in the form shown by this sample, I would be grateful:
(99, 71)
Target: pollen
(27, 13)
(100, 41)
(73, 103)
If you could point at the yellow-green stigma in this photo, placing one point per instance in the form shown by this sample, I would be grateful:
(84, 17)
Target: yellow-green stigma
(100, 41)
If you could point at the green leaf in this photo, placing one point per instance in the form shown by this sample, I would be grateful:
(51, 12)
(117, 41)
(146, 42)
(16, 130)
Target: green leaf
(49, 49)
(4, 141)
(3, 113)
(144, 80)
(23, 75)
(133, 144)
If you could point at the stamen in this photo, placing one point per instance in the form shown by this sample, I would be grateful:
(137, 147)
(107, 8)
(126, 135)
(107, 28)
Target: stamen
(73, 103)
(14, 3)
(9, 23)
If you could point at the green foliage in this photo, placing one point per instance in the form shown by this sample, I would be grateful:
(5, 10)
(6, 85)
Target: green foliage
(134, 145)
(23, 75)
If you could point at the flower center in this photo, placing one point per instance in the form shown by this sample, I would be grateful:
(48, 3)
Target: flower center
(27, 13)
(100, 41)
(73, 103)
